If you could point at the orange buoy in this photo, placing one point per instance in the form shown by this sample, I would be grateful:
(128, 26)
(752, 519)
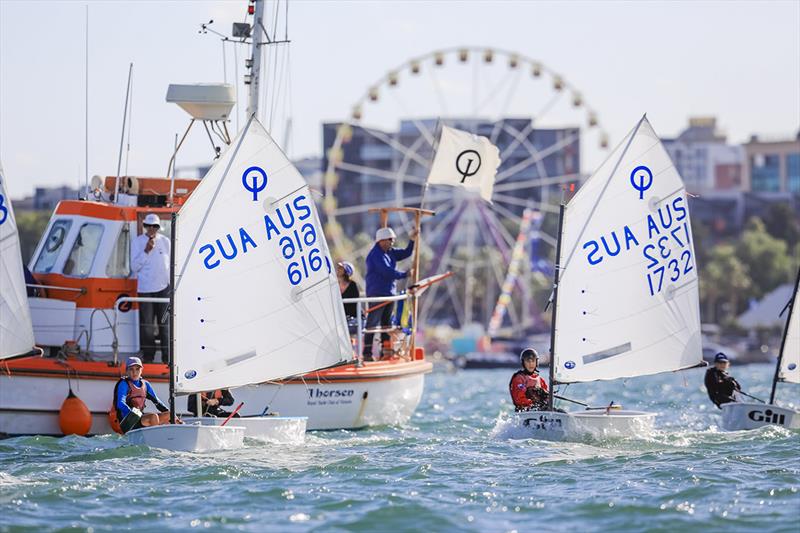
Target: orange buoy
(74, 417)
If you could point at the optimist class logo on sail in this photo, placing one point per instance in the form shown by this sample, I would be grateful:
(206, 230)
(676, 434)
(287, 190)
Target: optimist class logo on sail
(665, 244)
(291, 225)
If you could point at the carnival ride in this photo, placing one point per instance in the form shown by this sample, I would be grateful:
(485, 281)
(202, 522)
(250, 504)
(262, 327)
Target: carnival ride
(381, 155)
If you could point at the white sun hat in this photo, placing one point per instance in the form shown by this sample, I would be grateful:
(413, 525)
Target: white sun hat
(152, 220)
(384, 233)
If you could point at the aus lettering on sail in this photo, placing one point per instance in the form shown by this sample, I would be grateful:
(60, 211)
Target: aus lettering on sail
(664, 242)
(291, 226)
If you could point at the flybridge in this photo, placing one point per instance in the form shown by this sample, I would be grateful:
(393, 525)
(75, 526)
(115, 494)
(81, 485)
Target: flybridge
(137, 191)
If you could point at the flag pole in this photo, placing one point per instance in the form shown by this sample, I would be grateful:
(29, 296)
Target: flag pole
(436, 140)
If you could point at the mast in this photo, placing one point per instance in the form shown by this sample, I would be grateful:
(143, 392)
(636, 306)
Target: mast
(255, 59)
(555, 306)
(783, 339)
(172, 320)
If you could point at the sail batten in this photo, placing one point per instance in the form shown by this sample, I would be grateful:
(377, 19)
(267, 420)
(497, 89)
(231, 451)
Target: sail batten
(16, 329)
(628, 301)
(257, 297)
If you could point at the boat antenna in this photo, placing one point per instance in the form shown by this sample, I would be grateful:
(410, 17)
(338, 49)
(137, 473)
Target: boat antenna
(791, 306)
(86, 107)
(122, 136)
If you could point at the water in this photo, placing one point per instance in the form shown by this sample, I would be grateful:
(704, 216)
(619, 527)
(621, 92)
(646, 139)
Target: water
(444, 471)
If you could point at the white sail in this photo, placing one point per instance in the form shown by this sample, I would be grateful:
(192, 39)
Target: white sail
(256, 294)
(790, 351)
(16, 331)
(628, 302)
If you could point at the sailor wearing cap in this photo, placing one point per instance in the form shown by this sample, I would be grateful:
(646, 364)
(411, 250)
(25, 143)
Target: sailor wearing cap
(381, 278)
(721, 386)
(150, 265)
(130, 394)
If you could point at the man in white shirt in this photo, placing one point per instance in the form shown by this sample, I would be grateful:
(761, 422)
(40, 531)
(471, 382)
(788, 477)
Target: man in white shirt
(151, 260)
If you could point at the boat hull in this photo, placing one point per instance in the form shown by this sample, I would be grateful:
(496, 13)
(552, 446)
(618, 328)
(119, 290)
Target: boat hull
(583, 425)
(739, 416)
(195, 438)
(348, 397)
(274, 429)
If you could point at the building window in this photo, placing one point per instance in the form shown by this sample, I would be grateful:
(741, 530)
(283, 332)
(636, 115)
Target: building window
(793, 172)
(766, 173)
(79, 262)
(52, 246)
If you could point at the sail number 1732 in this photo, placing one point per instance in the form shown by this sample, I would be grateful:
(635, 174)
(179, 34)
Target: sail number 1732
(669, 258)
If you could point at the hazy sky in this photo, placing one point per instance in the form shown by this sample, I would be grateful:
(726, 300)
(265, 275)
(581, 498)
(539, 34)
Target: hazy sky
(739, 61)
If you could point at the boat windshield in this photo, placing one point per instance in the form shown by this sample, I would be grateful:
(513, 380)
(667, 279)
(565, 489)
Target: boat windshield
(119, 264)
(83, 251)
(52, 246)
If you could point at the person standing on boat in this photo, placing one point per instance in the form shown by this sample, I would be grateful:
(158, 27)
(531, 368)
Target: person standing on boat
(720, 385)
(348, 289)
(382, 275)
(528, 389)
(212, 403)
(130, 394)
(151, 258)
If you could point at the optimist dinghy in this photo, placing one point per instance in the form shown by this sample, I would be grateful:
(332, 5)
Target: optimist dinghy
(271, 429)
(255, 295)
(748, 415)
(625, 294)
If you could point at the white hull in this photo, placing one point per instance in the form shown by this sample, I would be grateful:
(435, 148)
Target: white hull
(29, 405)
(276, 429)
(195, 438)
(581, 425)
(738, 416)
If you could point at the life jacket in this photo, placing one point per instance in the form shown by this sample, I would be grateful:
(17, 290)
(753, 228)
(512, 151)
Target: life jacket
(136, 395)
(528, 382)
(135, 398)
(216, 395)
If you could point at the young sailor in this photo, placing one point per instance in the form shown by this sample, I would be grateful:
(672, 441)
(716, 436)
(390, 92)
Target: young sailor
(719, 384)
(211, 403)
(130, 394)
(528, 389)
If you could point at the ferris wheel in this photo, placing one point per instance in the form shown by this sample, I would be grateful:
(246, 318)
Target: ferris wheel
(381, 155)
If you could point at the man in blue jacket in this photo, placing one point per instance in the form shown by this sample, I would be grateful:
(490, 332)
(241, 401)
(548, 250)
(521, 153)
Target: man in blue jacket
(382, 275)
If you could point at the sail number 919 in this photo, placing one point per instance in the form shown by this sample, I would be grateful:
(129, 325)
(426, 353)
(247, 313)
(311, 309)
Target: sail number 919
(298, 247)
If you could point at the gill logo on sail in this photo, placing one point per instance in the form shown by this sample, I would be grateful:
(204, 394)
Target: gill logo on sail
(645, 177)
(254, 186)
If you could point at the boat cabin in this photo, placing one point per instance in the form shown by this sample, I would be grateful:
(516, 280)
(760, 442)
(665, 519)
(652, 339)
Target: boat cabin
(82, 266)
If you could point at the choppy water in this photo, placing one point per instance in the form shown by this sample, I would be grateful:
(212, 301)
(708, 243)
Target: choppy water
(443, 471)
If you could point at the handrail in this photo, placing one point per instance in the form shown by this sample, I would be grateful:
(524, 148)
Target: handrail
(360, 313)
(376, 299)
(55, 287)
(125, 299)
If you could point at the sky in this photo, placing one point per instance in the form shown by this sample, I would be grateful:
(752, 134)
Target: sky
(738, 61)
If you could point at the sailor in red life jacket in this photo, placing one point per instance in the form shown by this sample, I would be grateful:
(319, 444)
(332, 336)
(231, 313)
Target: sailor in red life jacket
(130, 395)
(528, 389)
